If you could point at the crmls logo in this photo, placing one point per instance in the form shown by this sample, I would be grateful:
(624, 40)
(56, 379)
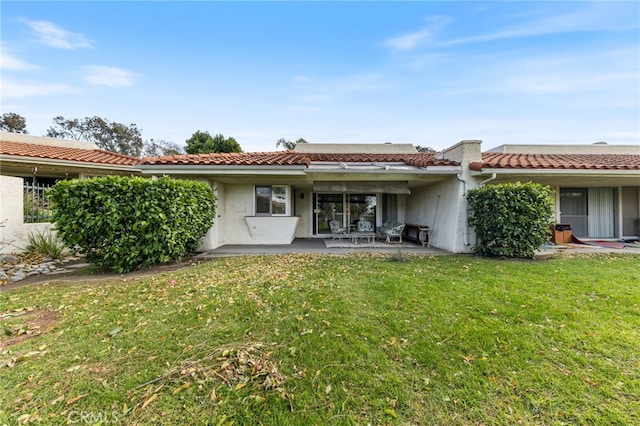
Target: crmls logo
(93, 417)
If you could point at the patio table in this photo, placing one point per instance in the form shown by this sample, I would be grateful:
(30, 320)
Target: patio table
(356, 236)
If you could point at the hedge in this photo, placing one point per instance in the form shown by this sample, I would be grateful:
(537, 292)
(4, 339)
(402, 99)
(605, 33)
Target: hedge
(510, 219)
(127, 223)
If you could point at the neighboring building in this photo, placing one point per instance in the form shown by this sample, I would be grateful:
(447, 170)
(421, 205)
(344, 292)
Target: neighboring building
(29, 165)
(274, 197)
(45, 160)
(597, 187)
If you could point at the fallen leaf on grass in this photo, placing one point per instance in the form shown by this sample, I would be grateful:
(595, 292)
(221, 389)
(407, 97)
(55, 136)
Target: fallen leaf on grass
(468, 359)
(181, 388)
(28, 418)
(56, 400)
(115, 331)
(149, 401)
(76, 398)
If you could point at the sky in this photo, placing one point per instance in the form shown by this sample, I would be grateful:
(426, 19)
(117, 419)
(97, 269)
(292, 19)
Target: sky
(428, 73)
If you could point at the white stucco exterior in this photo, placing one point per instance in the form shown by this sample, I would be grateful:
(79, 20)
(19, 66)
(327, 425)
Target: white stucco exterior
(14, 233)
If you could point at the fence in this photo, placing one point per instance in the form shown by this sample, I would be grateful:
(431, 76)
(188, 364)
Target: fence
(36, 206)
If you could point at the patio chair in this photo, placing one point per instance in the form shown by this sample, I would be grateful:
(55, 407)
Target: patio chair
(365, 226)
(395, 232)
(386, 226)
(336, 229)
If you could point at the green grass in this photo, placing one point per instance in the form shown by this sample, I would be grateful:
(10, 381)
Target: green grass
(313, 339)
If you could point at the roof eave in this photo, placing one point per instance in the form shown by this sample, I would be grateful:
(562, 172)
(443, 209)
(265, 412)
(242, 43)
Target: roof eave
(409, 170)
(68, 163)
(212, 169)
(568, 172)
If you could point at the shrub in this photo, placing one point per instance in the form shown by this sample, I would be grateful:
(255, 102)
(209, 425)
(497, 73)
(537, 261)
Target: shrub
(510, 219)
(397, 256)
(127, 223)
(46, 244)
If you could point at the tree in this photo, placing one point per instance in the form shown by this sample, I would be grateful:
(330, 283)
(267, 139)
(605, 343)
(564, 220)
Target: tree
(115, 137)
(156, 148)
(282, 142)
(425, 149)
(14, 123)
(203, 143)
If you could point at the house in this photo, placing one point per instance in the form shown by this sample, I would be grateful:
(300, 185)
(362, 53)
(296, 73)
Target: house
(30, 164)
(274, 197)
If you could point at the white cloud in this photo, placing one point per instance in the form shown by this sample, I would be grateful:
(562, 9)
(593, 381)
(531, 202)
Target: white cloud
(344, 87)
(16, 89)
(52, 35)
(13, 63)
(419, 37)
(597, 17)
(100, 75)
(301, 78)
(408, 41)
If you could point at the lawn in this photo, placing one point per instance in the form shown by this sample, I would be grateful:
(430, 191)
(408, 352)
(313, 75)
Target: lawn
(320, 339)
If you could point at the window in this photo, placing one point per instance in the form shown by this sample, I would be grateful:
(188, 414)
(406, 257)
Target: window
(272, 200)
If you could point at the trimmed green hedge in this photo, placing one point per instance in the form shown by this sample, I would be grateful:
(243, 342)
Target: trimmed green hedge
(511, 219)
(127, 223)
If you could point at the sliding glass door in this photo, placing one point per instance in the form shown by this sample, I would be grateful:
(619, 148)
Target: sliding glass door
(346, 209)
(591, 212)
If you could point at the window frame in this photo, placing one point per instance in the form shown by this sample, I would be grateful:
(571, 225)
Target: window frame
(287, 201)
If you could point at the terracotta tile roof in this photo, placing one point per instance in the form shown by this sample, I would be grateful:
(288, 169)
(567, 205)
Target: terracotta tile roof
(98, 156)
(278, 158)
(491, 160)
(291, 158)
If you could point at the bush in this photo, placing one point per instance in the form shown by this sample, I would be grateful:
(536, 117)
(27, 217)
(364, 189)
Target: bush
(511, 219)
(127, 223)
(46, 244)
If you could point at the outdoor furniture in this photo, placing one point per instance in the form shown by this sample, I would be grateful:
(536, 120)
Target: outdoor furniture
(337, 230)
(364, 226)
(425, 236)
(394, 232)
(356, 236)
(418, 233)
(382, 229)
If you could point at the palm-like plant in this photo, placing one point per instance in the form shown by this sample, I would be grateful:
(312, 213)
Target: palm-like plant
(290, 145)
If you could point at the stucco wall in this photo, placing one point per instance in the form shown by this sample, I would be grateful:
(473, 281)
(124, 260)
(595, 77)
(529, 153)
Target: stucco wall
(241, 227)
(14, 234)
(439, 206)
(212, 240)
(303, 212)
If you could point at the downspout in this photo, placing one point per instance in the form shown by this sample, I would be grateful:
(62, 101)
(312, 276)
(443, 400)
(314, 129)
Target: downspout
(465, 228)
(493, 176)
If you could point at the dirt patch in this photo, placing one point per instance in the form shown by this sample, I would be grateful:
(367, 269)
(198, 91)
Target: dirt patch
(22, 325)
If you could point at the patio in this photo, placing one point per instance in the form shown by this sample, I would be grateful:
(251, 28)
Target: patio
(319, 245)
(337, 247)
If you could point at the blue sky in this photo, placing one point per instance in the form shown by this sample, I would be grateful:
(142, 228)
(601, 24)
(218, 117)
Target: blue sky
(428, 73)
